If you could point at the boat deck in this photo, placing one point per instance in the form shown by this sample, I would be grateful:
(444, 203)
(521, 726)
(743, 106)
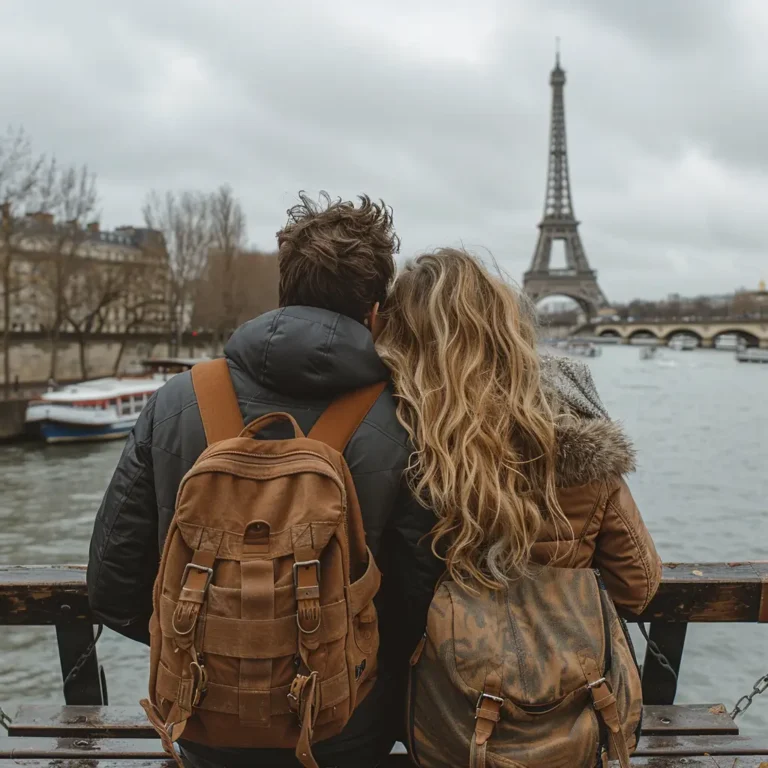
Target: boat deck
(88, 732)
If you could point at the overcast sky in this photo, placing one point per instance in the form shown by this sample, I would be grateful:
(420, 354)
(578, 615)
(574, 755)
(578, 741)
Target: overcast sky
(441, 107)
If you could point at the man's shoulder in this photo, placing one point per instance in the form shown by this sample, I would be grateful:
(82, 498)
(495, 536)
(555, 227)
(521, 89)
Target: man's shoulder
(173, 398)
(381, 443)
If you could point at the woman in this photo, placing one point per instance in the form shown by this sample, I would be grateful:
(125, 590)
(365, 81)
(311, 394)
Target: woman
(515, 454)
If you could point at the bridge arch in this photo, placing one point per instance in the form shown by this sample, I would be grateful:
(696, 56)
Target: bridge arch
(585, 306)
(684, 332)
(610, 333)
(643, 333)
(749, 338)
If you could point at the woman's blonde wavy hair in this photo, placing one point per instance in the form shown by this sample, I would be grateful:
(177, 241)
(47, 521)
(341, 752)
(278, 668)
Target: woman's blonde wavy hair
(461, 346)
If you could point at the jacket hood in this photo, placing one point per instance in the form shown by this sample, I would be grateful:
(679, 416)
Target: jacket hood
(590, 449)
(306, 353)
(590, 445)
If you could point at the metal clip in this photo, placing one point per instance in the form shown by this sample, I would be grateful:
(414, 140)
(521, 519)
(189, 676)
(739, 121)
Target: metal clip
(590, 686)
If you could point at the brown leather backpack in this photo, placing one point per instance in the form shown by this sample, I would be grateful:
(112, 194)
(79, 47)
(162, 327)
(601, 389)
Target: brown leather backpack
(539, 675)
(264, 633)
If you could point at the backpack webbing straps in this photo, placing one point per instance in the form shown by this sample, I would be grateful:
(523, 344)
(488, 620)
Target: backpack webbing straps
(344, 415)
(216, 400)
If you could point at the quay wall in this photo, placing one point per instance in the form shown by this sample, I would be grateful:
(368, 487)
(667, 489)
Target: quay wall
(31, 356)
(12, 414)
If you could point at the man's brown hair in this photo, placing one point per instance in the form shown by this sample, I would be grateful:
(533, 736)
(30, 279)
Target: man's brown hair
(336, 256)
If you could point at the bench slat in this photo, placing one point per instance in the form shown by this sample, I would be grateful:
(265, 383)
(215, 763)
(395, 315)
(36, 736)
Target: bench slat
(79, 748)
(681, 746)
(131, 722)
(723, 761)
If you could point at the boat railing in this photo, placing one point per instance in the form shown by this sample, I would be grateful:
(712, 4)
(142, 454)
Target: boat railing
(689, 593)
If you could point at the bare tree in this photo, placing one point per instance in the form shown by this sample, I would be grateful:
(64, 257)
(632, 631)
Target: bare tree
(252, 289)
(19, 176)
(93, 290)
(185, 222)
(229, 233)
(69, 194)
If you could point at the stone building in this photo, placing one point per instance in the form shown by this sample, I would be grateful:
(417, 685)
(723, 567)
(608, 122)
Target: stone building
(121, 275)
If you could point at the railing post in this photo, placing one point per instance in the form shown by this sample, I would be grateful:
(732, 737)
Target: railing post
(89, 685)
(659, 687)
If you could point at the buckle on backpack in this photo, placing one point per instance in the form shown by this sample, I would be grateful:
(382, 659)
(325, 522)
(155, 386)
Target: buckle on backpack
(301, 564)
(495, 699)
(201, 568)
(596, 683)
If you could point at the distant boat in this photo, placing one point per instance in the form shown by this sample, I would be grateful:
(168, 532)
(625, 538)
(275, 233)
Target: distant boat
(683, 343)
(100, 409)
(730, 341)
(648, 353)
(584, 349)
(752, 355)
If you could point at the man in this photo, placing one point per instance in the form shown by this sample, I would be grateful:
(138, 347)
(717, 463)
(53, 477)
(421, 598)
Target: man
(336, 264)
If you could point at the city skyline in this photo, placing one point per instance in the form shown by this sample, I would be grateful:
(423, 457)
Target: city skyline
(441, 110)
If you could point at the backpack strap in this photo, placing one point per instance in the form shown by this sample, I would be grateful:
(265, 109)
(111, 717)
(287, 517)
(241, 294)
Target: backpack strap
(216, 400)
(340, 420)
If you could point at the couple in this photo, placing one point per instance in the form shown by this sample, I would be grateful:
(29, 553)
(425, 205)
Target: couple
(477, 459)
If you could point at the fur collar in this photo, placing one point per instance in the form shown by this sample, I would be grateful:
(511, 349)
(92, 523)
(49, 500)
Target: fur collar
(591, 449)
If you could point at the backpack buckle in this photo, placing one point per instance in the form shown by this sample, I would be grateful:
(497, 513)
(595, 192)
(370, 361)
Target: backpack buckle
(495, 699)
(596, 683)
(302, 564)
(202, 569)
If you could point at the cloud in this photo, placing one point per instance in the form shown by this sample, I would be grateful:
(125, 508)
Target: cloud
(441, 108)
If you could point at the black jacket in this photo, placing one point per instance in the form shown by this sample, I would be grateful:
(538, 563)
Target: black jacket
(294, 359)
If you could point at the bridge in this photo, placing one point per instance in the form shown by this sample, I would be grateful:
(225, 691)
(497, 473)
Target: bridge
(754, 332)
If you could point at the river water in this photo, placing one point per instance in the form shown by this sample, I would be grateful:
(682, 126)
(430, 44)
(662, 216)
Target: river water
(700, 423)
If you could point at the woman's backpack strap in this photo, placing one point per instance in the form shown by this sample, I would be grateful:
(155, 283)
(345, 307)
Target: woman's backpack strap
(216, 400)
(340, 420)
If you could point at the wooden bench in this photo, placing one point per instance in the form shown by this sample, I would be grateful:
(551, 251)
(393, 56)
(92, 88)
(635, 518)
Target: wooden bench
(85, 729)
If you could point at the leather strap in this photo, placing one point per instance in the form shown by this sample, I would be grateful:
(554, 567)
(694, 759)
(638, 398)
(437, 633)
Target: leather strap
(344, 415)
(157, 723)
(197, 577)
(488, 709)
(216, 400)
(305, 692)
(604, 703)
(487, 714)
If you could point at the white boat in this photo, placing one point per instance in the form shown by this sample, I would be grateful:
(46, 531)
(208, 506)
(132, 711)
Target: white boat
(683, 342)
(752, 355)
(100, 409)
(730, 341)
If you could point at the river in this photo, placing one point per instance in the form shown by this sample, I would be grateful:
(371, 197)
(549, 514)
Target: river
(700, 423)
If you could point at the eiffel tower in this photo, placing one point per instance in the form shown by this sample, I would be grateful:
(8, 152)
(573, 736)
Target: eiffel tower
(577, 280)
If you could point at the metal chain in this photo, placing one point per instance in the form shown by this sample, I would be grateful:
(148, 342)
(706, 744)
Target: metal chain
(760, 686)
(656, 652)
(5, 720)
(87, 653)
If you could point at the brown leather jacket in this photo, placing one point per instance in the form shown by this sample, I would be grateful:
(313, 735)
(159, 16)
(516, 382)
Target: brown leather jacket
(594, 454)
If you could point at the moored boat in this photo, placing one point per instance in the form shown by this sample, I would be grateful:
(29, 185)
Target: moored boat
(752, 355)
(683, 342)
(100, 409)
